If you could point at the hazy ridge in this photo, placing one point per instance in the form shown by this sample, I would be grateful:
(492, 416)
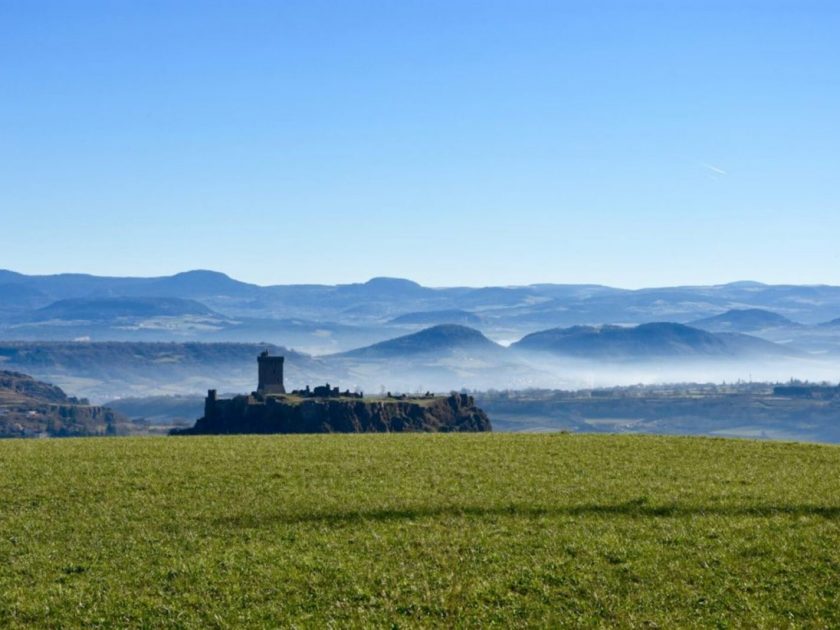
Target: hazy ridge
(114, 338)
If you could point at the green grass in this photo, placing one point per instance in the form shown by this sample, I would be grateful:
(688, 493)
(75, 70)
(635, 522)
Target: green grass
(419, 530)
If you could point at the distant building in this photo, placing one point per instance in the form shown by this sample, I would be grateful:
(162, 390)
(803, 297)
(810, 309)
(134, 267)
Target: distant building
(327, 409)
(270, 374)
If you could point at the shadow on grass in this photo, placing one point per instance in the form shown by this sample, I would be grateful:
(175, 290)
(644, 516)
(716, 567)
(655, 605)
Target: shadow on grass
(637, 508)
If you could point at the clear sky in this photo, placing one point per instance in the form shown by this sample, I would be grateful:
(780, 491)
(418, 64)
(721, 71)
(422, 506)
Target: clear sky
(451, 142)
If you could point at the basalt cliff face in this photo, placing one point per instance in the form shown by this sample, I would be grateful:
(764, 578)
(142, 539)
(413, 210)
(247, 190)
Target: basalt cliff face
(31, 408)
(249, 414)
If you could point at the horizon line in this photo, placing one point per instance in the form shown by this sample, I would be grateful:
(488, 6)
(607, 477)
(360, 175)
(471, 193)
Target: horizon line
(420, 284)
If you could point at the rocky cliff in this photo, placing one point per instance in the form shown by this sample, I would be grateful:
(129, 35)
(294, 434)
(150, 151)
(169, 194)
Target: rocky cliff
(31, 408)
(247, 414)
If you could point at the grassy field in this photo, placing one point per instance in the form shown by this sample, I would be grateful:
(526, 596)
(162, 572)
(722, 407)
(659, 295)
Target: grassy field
(418, 530)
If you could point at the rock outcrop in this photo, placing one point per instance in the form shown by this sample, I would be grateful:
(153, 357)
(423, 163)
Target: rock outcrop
(31, 408)
(288, 414)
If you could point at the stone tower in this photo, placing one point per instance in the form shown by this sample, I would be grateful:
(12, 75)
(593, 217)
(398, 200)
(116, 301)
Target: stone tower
(270, 374)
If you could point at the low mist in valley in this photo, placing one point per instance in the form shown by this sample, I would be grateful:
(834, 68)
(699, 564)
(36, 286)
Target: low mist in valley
(153, 347)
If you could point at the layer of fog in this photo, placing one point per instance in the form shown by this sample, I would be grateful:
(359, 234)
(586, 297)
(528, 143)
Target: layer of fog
(446, 376)
(571, 374)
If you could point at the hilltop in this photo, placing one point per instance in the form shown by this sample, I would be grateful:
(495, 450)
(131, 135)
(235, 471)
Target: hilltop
(109, 308)
(744, 320)
(451, 316)
(187, 284)
(30, 408)
(339, 413)
(646, 340)
(17, 388)
(444, 338)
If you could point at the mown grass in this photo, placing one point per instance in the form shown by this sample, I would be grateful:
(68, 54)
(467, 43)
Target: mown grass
(419, 530)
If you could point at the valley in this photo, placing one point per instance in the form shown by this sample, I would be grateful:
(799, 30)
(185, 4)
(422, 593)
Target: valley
(153, 346)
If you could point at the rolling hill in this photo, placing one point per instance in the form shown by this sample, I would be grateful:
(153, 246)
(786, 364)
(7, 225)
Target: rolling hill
(30, 408)
(427, 318)
(645, 341)
(107, 370)
(189, 284)
(441, 339)
(744, 320)
(20, 297)
(106, 309)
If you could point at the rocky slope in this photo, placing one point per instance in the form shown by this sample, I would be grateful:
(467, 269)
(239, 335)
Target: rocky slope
(245, 414)
(30, 408)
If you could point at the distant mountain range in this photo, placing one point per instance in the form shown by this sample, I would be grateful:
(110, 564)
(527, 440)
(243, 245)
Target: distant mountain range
(199, 283)
(331, 319)
(109, 338)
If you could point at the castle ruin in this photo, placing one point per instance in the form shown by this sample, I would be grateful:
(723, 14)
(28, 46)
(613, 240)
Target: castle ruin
(270, 380)
(327, 409)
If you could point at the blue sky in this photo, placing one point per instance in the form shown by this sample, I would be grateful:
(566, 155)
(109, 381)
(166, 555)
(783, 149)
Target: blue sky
(627, 143)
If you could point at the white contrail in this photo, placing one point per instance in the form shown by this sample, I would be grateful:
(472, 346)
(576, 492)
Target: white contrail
(714, 168)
